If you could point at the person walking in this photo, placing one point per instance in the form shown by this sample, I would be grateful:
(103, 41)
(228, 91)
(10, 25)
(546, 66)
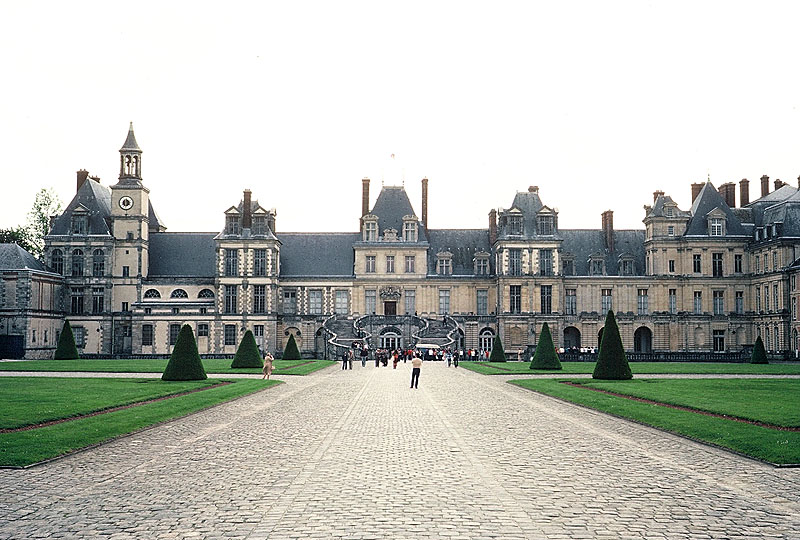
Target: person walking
(344, 360)
(416, 366)
(456, 356)
(364, 354)
(267, 369)
(350, 355)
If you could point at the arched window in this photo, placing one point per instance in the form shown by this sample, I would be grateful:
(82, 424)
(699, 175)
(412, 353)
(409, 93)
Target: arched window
(152, 293)
(486, 339)
(57, 261)
(98, 263)
(179, 293)
(77, 262)
(205, 293)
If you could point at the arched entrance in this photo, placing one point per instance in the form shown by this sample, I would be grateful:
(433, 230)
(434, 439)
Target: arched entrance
(391, 338)
(486, 339)
(643, 340)
(572, 338)
(459, 344)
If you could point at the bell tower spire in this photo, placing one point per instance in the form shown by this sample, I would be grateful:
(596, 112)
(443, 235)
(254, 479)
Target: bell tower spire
(130, 159)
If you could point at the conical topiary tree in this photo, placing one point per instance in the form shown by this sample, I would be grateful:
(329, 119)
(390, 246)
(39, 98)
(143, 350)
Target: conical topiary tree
(66, 349)
(759, 354)
(611, 361)
(247, 355)
(545, 356)
(184, 363)
(498, 354)
(291, 352)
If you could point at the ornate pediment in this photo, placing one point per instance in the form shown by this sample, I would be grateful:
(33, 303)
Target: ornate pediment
(390, 292)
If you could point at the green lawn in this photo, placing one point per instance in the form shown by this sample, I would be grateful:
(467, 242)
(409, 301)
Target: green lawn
(773, 401)
(212, 365)
(641, 368)
(27, 400)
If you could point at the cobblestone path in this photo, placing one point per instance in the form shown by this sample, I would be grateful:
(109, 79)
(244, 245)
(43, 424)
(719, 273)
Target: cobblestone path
(357, 454)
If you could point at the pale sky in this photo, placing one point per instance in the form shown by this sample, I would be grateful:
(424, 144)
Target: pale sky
(597, 103)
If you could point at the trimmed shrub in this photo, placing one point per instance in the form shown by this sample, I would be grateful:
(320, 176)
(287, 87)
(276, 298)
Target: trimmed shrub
(612, 364)
(184, 363)
(498, 354)
(545, 356)
(759, 354)
(291, 352)
(247, 355)
(66, 349)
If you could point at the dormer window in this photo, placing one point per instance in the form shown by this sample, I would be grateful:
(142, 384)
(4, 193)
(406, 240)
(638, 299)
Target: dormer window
(716, 227)
(545, 225)
(370, 230)
(567, 265)
(597, 266)
(232, 225)
(80, 223)
(482, 264)
(515, 225)
(259, 225)
(409, 231)
(669, 211)
(444, 263)
(626, 267)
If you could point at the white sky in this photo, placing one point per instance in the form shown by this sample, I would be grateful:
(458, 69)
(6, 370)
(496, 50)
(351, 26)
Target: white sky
(597, 103)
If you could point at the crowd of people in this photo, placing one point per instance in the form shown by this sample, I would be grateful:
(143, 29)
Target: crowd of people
(383, 357)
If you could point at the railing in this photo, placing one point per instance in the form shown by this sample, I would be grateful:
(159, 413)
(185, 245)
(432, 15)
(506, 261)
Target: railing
(677, 356)
(360, 326)
(333, 349)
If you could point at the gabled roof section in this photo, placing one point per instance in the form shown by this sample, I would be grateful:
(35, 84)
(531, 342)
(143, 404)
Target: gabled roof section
(317, 254)
(704, 204)
(96, 199)
(184, 254)
(391, 206)
(13, 257)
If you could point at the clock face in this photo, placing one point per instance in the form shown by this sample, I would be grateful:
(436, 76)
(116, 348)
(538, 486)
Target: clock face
(126, 203)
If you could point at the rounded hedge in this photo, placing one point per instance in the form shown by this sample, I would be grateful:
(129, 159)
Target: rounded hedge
(291, 352)
(247, 355)
(184, 363)
(612, 364)
(545, 356)
(66, 349)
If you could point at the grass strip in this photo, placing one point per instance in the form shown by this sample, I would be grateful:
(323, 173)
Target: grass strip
(153, 365)
(639, 368)
(779, 447)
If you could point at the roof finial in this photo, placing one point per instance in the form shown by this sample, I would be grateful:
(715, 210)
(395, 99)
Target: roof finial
(709, 175)
(131, 128)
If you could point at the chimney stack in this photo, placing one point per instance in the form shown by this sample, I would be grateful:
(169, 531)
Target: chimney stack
(82, 176)
(492, 227)
(247, 211)
(608, 229)
(364, 196)
(764, 185)
(728, 192)
(778, 184)
(271, 220)
(657, 194)
(425, 202)
(696, 190)
(744, 191)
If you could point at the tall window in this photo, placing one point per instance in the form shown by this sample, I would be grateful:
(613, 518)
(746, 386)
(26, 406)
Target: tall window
(486, 340)
(259, 298)
(259, 225)
(98, 263)
(202, 330)
(482, 266)
(671, 266)
(758, 299)
(411, 301)
(410, 231)
(514, 262)
(230, 334)
(777, 339)
(606, 304)
(444, 301)
(568, 266)
(342, 303)
(670, 230)
(673, 301)
(546, 262)
(642, 302)
(79, 224)
(545, 225)
(571, 304)
(147, 335)
(597, 267)
(547, 298)
(444, 266)
(774, 261)
(719, 302)
(515, 299)
(231, 262)
(77, 262)
(766, 297)
(794, 308)
(411, 264)
(289, 302)
(76, 300)
(482, 302)
(370, 231)
(698, 302)
(80, 336)
(719, 340)
(260, 262)
(174, 330)
(315, 302)
(758, 265)
(231, 298)
(57, 261)
(716, 227)
(716, 264)
(739, 302)
(232, 225)
(696, 263)
(97, 299)
(515, 225)
(390, 264)
(369, 265)
(370, 301)
(737, 263)
(775, 297)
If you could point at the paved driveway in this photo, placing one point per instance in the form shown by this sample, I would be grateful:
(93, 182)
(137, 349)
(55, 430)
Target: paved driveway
(357, 454)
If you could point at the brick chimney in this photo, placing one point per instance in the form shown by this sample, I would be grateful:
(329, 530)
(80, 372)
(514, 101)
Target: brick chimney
(728, 192)
(425, 202)
(764, 185)
(657, 194)
(744, 191)
(492, 226)
(82, 176)
(247, 210)
(778, 184)
(608, 229)
(696, 190)
(364, 196)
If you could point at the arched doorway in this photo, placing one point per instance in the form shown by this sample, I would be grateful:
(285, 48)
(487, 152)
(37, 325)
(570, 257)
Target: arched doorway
(572, 338)
(486, 339)
(391, 338)
(643, 340)
(459, 344)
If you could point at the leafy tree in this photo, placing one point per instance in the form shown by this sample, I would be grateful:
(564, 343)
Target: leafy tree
(184, 363)
(47, 203)
(291, 352)
(20, 236)
(612, 363)
(545, 356)
(498, 354)
(759, 355)
(66, 349)
(247, 355)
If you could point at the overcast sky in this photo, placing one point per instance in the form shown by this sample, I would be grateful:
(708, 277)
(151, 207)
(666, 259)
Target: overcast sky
(597, 103)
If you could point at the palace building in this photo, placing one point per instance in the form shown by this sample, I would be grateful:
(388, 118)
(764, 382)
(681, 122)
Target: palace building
(706, 279)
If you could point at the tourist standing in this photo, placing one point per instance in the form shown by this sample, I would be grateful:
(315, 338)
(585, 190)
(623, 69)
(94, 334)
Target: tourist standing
(364, 353)
(344, 360)
(416, 366)
(350, 356)
(267, 369)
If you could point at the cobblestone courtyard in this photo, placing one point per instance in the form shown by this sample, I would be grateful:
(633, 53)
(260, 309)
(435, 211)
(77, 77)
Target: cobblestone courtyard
(357, 454)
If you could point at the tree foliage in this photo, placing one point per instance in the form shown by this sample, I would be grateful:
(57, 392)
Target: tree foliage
(291, 352)
(184, 363)
(759, 355)
(247, 355)
(545, 356)
(66, 349)
(20, 236)
(498, 354)
(612, 364)
(47, 203)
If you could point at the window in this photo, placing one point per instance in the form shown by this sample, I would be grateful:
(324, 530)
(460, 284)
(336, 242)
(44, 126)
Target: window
(205, 293)
(258, 332)
(758, 265)
(737, 263)
(719, 340)
(124, 306)
(152, 293)
(77, 262)
(673, 301)
(411, 301)
(444, 301)
(179, 293)
(777, 339)
(129, 236)
(76, 300)
(514, 262)
(794, 309)
(370, 301)
(370, 264)
(259, 298)
(97, 299)
(482, 302)
(669, 210)
(515, 225)
(642, 302)
(571, 304)
(79, 332)
(545, 225)
(775, 297)
(671, 230)
(546, 262)
(696, 263)
(148, 311)
(671, 266)
(126, 271)
(444, 266)
(410, 231)
(231, 262)
(698, 302)
(568, 266)
(739, 302)
(174, 330)
(774, 261)
(231, 298)
(486, 340)
(766, 338)
(597, 267)
(202, 330)
(315, 302)
(718, 298)
(766, 297)
(606, 304)
(203, 310)
(715, 227)
(260, 262)
(289, 302)
(546, 297)
(758, 299)
(147, 335)
(57, 261)
(627, 267)
(515, 299)
(482, 266)
(79, 223)
(232, 225)
(411, 264)
(98, 263)
(716, 264)
(230, 334)
(370, 231)
(342, 303)
(390, 264)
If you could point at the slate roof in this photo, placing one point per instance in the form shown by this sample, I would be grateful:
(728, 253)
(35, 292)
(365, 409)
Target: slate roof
(155, 222)
(583, 243)
(759, 206)
(317, 254)
(130, 141)
(786, 212)
(184, 254)
(391, 206)
(706, 201)
(13, 257)
(530, 204)
(96, 198)
(658, 208)
(463, 244)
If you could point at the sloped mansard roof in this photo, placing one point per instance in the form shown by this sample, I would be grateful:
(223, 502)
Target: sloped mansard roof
(463, 244)
(317, 254)
(706, 201)
(96, 199)
(13, 257)
(184, 254)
